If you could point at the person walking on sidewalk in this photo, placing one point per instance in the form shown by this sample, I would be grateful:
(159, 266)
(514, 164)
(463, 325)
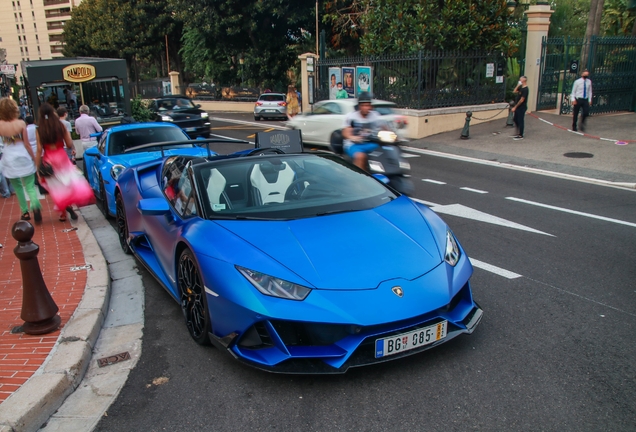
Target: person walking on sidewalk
(520, 107)
(65, 183)
(17, 162)
(85, 125)
(581, 98)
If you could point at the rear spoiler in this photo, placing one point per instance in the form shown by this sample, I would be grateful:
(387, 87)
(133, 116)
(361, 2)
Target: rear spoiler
(195, 143)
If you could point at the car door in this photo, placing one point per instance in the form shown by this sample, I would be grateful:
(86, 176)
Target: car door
(163, 231)
(94, 164)
(319, 125)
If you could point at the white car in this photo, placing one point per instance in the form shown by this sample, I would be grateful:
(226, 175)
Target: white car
(328, 116)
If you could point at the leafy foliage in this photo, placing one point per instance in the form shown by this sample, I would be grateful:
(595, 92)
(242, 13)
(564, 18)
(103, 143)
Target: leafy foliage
(140, 111)
(218, 34)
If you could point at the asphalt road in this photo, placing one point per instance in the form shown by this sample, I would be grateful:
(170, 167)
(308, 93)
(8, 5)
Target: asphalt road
(555, 350)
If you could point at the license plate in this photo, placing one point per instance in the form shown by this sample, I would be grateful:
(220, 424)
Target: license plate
(407, 341)
(272, 111)
(192, 129)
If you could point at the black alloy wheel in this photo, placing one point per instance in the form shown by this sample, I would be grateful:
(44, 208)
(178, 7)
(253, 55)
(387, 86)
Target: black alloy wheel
(103, 203)
(193, 298)
(122, 225)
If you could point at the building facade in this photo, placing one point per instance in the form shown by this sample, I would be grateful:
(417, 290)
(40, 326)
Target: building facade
(32, 29)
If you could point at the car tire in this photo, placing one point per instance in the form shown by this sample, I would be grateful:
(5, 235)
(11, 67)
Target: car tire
(122, 225)
(102, 200)
(257, 118)
(192, 298)
(84, 168)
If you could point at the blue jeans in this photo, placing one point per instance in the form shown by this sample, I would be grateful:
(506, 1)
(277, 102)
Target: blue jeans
(6, 189)
(360, 148)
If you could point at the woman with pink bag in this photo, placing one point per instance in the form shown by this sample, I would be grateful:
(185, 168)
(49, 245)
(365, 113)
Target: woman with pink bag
(56, 172)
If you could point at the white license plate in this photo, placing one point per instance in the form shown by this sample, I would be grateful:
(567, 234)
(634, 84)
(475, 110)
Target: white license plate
(272, 111)
(192, 129)
(407, 341)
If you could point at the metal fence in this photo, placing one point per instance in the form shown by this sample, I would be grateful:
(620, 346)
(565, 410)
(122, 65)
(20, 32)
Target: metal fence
(611, 62)
(427, 79)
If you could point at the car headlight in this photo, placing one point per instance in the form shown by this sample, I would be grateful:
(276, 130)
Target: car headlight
(387, 136)
(166, 118)
(273, 286)
(452, 253)
(204, 115)
(116, 171)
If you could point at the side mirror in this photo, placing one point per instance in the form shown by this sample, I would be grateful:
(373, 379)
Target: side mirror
(153, 207)
(198, 105)
(92, 151)
(381, 177)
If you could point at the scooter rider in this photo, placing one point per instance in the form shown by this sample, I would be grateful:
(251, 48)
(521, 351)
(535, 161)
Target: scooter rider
(355, 125)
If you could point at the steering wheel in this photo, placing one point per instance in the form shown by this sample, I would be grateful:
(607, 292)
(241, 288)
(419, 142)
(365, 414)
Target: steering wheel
(296, 189)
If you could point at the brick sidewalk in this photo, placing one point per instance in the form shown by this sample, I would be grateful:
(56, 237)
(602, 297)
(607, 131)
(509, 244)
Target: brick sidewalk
(21, 355)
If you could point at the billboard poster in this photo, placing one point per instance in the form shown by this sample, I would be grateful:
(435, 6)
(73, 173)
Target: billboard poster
(364, 81)
(347, 81)
(335, 76)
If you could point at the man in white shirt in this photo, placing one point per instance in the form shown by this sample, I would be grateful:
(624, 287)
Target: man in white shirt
(355, 125)
(581, 98)
(85, 125)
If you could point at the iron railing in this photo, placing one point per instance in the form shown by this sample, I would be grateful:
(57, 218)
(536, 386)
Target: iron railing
(611, 62)
(426, 79)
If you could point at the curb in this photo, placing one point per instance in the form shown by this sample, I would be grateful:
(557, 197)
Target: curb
(34, 402)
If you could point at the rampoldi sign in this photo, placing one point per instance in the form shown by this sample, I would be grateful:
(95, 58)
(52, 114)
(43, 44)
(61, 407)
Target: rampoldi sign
(78, 73)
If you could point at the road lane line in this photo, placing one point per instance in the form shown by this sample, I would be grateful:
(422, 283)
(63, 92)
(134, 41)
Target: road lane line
(473, 190)
(494, 269)
(593, 216)
(433, 181)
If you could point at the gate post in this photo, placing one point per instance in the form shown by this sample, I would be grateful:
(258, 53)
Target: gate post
(304, 78)
(538, 25)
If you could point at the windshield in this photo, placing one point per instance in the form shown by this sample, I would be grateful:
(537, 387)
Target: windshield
(286, 187)
(174, 104)
(384, 109)
(127, 139)
(271, 97)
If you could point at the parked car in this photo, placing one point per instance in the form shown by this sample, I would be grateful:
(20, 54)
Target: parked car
(181, 111)
(328, 116)
(270, 105)
(296, 263)
(116, 150)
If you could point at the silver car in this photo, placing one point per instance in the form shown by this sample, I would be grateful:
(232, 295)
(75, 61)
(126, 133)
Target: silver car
(270, 105)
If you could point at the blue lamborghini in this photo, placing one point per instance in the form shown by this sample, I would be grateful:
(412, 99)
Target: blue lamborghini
(296, 263)
(117, 149)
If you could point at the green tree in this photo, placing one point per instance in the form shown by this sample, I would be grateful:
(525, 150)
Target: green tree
(569, 18)
(617, 19)
(405, 26)
(265, 34)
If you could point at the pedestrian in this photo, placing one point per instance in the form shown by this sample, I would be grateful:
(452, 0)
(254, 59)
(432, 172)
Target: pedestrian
(292, 102)
(581, 98)
(18, 159)
(57, 174)
(85, 125)
(33, 141)
(341, 93)
(62, 113)
(300, 100)
(23, 110)
(6, 189)
(521, 105)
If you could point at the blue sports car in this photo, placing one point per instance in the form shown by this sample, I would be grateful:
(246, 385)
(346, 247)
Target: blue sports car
(119, 147)
(296, 263)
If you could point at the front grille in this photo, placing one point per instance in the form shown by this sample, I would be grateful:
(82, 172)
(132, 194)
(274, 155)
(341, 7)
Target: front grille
(189, 123)
(256, 337)
(312, 334)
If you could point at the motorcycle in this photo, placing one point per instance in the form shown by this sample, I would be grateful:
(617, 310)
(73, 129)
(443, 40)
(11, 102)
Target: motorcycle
(386, 160)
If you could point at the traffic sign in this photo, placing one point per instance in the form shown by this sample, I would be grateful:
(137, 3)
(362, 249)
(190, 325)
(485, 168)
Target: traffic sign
(7, 69)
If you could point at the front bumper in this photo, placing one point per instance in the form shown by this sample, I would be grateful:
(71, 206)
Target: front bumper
(316, 348)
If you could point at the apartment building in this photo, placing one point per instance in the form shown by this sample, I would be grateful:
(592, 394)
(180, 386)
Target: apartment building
(32, 29)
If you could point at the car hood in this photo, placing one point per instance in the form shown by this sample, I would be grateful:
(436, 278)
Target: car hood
(356, 250)
(132, 159)
(183, 114)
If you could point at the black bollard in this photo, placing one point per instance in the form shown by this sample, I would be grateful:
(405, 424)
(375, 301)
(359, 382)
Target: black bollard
(465, 131)
(39, 311)
(510, 121)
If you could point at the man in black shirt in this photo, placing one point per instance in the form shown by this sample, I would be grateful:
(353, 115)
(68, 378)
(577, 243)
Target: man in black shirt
(520, 107)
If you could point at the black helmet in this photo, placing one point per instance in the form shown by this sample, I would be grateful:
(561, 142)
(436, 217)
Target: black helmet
(364, 97)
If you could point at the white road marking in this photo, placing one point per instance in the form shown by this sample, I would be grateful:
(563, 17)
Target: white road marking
(434, 181)
(621, 185)
(494, 269)
(469, 213)
(593, 216)
(473, 190)
(409, 155)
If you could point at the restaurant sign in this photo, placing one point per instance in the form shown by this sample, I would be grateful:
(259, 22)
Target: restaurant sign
(78, 73)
